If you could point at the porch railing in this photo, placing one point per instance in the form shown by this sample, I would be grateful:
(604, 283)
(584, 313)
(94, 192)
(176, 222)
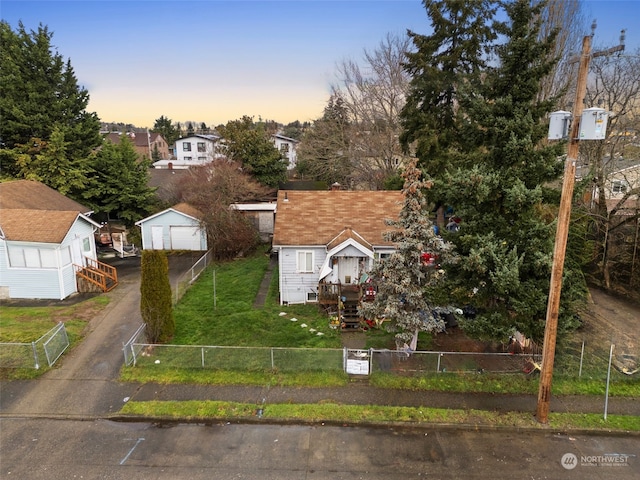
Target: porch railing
(101, 274)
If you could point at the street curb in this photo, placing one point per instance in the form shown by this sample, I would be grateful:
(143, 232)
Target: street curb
(125, 418)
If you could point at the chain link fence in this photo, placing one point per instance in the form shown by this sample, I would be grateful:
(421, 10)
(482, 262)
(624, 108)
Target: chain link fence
(48, 347)
(576, 360)
(190, 276)
(139, 353)
(246, 359)
(423, 362)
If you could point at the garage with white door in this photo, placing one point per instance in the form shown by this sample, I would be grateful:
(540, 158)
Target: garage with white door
(185, 238)
(176, 228)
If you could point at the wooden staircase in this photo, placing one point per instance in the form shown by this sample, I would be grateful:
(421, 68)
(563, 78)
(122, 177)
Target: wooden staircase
(344, 300)
(96, 277)
(348, 307)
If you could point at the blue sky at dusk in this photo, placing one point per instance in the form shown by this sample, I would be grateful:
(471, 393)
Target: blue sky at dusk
(213, 61)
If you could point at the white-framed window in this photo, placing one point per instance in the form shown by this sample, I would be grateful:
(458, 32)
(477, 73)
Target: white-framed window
(312, 296)
(30, 257)
(186, 147)
(65, 256)
(86, 245)
(16, 257)
(202, 147)
(381, 256)
(304, 259)
(48, 259)
(619, 186)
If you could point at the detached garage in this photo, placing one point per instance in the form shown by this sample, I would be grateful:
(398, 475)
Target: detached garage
(176, 228)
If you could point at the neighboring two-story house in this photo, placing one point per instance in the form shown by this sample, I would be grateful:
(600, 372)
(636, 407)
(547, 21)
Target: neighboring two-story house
(192, 151)
(621, 180)
(145, 143)
(286, 146)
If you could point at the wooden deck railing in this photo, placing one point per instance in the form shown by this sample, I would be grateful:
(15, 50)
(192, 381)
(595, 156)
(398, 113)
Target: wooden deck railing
(98, 273)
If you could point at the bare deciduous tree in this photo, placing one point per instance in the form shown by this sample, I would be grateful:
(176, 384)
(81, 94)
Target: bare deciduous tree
(612, 163)
(373, 92)
(565, 20)
(212, 189)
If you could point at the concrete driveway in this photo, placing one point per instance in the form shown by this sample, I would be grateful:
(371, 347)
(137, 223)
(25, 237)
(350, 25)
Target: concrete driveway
(85, 382)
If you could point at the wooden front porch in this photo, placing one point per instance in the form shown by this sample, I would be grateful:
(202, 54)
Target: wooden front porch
(96, 277)
(343, 300)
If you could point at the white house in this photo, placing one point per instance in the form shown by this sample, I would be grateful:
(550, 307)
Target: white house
(46, 239)
(193, 150)
(331, 237)
(286, 146)
(176, 228)
(620, 183)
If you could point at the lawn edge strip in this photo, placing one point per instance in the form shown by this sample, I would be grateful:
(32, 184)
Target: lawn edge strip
(340, 414)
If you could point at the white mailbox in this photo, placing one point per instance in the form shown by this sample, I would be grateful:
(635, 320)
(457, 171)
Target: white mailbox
(593, 124)
(559, 125)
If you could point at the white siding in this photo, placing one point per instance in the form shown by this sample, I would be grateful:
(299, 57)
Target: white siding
(168, 220)
(294, 286)
(54, 276)
(192, 156)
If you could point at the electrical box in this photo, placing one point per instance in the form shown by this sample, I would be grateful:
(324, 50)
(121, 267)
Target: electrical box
(559, 125)
(593, 124)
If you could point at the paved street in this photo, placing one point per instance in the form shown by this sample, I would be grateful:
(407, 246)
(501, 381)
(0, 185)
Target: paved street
(41, 449)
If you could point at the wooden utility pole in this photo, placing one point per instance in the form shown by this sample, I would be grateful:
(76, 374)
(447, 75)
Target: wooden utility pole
(564, 217)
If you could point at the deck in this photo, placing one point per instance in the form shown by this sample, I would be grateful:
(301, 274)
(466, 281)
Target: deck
(343, 300)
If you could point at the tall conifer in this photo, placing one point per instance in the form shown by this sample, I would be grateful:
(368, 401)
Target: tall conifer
(405, 282)
(506, 241)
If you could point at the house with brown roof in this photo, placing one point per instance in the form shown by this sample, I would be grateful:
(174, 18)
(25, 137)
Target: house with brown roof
(177, 228)
(145, 143)
(330, 238)
(46, 242)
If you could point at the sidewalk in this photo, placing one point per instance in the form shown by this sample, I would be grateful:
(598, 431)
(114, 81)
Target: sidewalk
(361, 394)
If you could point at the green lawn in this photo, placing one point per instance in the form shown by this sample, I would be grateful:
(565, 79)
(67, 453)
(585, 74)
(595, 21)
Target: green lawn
(231, 320)
(338, 413)
(28, 324)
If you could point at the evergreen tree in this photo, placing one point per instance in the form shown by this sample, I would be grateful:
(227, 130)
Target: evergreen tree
(440, 64)
(118, 184)
(39, 93)
(165, 127)
(407, 285)
(155, 154)
(49, 163)
(249, 145)
(155, 296)
(294, 129)
(505, 243)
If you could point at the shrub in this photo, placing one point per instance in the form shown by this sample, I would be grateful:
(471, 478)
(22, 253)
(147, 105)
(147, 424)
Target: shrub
(155, 297)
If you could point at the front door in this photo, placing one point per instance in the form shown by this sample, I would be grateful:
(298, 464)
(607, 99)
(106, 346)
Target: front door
(348, 269)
